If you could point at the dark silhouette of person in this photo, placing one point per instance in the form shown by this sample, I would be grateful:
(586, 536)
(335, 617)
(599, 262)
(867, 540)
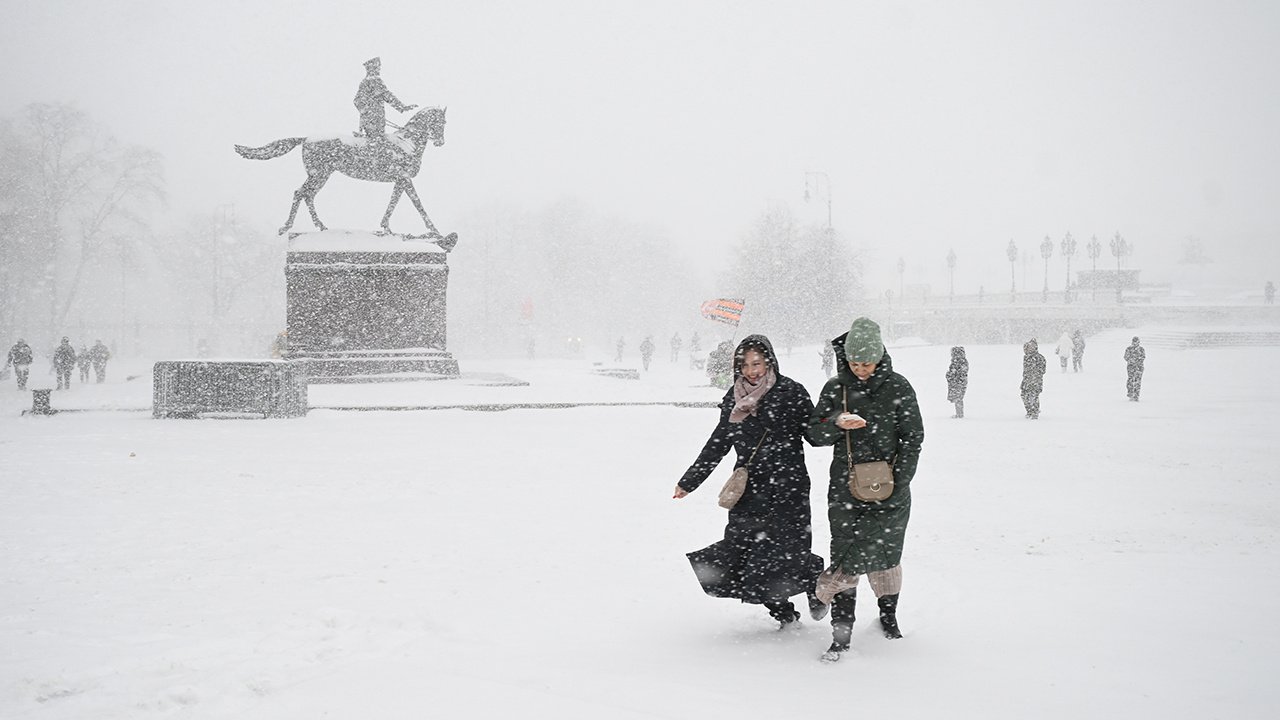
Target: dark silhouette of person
(99, 355)
(675, 347)
(622, 344)
(370, 98)
(1033, 368)
(64, 361)
(1135, 360)
(20, 358)
(82, 362)
(957, 379)
(828, 359)
(646, 351)
(1269, 293)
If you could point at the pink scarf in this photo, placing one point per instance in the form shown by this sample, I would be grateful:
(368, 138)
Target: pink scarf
(746, 397)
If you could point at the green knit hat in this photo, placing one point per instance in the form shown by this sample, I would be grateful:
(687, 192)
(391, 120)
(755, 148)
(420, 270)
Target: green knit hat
(863, 344)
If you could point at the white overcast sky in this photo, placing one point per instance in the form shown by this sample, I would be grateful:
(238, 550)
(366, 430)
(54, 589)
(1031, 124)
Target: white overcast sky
(940, 124)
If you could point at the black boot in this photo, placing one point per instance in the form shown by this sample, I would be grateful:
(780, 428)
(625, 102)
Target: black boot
(889, 616)
(842, 607)
(784, 612)
(817, 609)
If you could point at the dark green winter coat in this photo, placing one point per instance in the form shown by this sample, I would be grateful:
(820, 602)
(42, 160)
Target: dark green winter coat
(867, 536)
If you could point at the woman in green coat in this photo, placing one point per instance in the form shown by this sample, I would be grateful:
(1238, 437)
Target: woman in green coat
(868, 410)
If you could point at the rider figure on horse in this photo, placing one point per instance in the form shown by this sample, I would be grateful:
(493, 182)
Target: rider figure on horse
(371, 96)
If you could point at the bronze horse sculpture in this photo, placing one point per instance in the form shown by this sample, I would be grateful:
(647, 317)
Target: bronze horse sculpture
(395, 158)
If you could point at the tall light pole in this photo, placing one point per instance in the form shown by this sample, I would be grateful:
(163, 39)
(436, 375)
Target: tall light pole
(902, 269)
(1095, 251)
(1046, 250)
(822, 189)
(1119, 248)
(1012, 252)
(951, 266)
(1068, 249)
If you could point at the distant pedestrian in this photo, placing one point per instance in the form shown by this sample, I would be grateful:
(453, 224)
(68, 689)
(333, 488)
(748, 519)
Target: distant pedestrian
(20, 358)
(828, 359)
(1077, 351)
(646, 351)
(720, 365)
(99, 355)
(1135, 360)
(1063, 349)
(64, 361)
(957, 379)
(1269, 293)
(1033, 369)
(82, 362)
(695, 352)
(675, 347)
(622, 344)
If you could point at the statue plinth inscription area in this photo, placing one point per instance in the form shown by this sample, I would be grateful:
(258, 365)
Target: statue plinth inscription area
(367, 307)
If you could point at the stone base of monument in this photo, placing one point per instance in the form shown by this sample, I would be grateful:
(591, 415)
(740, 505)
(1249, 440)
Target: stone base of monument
(192, 388)
(377, 366)
(368, 307)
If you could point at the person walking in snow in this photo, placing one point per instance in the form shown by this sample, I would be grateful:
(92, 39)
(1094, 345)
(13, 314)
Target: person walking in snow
(646, 351)
(1135, 360)
(675, 347)
(766, 555)
(871, 411)
(828, 357)
(695, 350)
(99, 355)
(957, 379)
(83, 362)
(1269, 293)
(1077, 351)
(1033, 369)
(622, 344)
(1063, 349)
(20, 357)
(64, 361)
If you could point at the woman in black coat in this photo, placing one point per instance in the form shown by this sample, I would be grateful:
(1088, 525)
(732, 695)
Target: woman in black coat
(766, 555)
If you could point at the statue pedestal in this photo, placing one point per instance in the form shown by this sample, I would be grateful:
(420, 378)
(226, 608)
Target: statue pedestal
(364, 307)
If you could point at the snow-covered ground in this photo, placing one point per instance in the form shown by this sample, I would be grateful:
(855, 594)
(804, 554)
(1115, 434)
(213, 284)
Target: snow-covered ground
(1112, 559)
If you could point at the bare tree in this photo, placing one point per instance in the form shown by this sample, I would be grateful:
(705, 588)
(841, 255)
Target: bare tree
(70, 195)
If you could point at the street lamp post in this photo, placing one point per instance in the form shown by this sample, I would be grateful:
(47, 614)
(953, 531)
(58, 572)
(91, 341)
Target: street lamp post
(1068, 249)
(1012, 252)
(951, 266)
(1095, 251)
(902, 269)
(818, 187)
(1046, 250)
(1119, 248)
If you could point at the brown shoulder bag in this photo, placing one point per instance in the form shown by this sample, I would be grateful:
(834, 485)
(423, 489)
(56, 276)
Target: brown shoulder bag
(871, 481)
(736, 485)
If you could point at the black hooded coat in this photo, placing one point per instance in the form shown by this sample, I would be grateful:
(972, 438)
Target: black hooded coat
(766, 554)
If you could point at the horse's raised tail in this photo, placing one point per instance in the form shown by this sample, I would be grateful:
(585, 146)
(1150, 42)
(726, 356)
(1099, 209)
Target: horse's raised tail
(270, 150)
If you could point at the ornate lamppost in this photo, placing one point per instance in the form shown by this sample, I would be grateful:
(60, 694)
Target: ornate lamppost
(1046, 250)
(1012, 252)
(1068, 249)
(951, 266)
(818, 187)
(1119, 248)
(1095, 251)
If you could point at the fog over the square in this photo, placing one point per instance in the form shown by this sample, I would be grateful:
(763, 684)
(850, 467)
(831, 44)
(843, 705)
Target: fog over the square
(930, 126)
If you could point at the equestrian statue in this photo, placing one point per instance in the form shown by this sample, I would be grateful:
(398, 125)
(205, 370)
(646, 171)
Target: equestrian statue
(370, 154)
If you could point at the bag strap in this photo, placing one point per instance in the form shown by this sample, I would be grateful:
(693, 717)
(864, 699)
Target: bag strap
(848, 446)
(753, 452)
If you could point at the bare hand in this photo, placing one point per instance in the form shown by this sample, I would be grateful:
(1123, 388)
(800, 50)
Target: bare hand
(679, 493)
